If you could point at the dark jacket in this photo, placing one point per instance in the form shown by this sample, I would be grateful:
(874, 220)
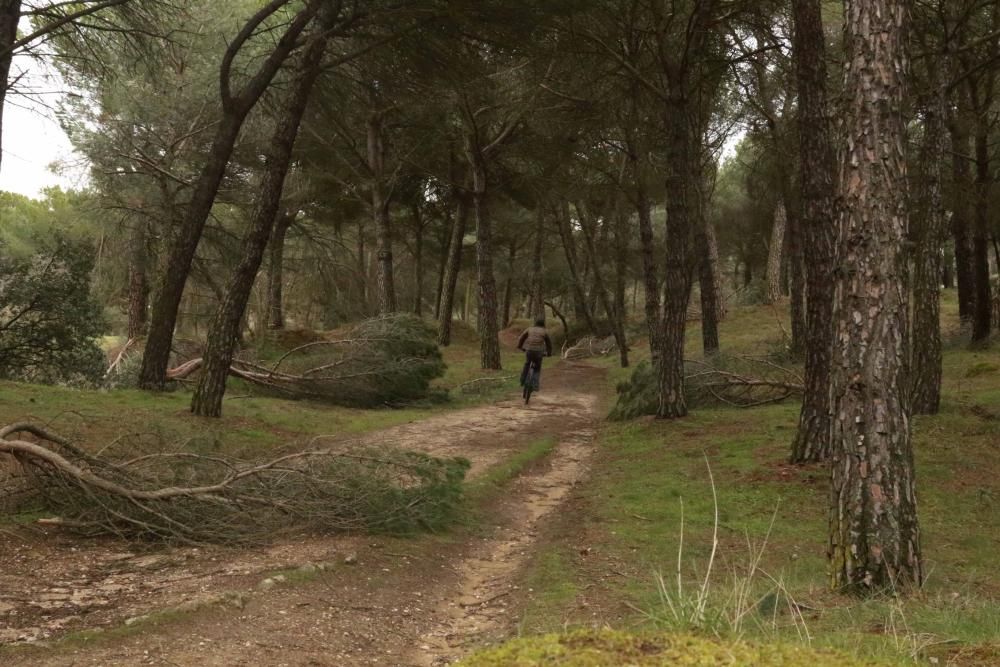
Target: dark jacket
(535, 339)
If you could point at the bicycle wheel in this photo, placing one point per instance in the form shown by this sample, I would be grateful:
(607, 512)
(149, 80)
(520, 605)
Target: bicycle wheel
(529, 386)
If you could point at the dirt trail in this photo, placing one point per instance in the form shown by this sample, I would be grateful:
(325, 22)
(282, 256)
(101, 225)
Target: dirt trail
(368, 601)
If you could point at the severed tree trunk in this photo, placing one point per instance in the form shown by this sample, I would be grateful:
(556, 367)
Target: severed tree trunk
(489, 332)
(225, 327)
(383, 222)
(452, 268)
(960, 216)
(235, 108)
(138, 278)
(812, 440)
(874, 533)
(982, 315)
(774, 253)
(276, 272)
(929, 230)
(10, 15)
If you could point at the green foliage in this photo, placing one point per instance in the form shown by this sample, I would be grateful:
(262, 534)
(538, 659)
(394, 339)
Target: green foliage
(384, 361)
(637, 396)
(49, 321)
(597, 648)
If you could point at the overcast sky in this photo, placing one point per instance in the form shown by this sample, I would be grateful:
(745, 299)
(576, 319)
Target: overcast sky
(32, 138)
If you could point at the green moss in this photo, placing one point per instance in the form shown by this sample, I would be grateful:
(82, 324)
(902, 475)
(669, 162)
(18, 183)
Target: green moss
(588, 648)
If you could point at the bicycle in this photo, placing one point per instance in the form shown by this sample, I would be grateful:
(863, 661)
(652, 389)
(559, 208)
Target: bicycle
(529, 383)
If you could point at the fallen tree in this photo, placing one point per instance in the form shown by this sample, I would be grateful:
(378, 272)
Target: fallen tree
(386, 360)
(184, 496)
(742, 382)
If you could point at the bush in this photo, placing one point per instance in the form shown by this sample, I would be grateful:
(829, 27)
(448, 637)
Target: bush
(597, 648)
(638, 395)
(49, 321)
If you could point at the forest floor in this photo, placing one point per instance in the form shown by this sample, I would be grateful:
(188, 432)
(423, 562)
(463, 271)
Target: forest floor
(572, 521)
(320, 601)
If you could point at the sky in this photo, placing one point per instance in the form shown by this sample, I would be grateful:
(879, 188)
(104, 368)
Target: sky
(32, 138)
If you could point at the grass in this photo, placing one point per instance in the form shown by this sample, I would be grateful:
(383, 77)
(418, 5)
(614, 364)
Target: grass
(250, 426)
(648, 473)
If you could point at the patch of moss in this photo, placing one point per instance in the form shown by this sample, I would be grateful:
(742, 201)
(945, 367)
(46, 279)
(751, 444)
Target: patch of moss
(981, 368)
(601, 648)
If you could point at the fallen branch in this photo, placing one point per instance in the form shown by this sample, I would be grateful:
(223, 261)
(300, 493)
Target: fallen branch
(187, 497)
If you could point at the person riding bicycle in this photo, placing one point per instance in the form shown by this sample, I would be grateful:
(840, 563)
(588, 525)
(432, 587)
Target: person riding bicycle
(535, 343)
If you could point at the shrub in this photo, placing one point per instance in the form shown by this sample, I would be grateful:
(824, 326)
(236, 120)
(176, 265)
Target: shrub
(49, 321)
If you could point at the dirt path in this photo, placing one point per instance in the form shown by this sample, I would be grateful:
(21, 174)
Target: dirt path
(366, 602)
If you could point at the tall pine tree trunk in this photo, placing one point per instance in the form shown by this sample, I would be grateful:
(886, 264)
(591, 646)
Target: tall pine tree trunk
(276, 272)
(10, 15)
(569, 247)
(383, 222)
(874, 534)
(235, 108)
(682, 168)
(489, 332)
(418, 261)
(138, 278)
(537, 289)
(774, 253)
(929, 229)
(650, 274)
(961, 214)
(812, 440)
(981, 316)
(224, 330)
(452, 268)
(796, 283)
(508, 286)
(617, 323)
(708, 289)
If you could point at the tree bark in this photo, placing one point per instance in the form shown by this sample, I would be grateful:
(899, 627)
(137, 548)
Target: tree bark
(453, 268)
(383, 222)
(960, 215)
(138, 278)
(650, 274)
(981, 316)
(812, 440)
(682, 167)
(537, 288)
(796, 284)
(929, 229)
(489, 332)
(874, 533)
(10, 15)
(225, 327)
(153, 374)
(276, 272)
(774, 253)
(569, 247)
(708, 289)
(617, 320)
(418, 260)
(508, 286)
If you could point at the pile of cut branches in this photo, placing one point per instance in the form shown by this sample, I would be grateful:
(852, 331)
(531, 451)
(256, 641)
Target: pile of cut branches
(742, 382)
(590, 346)
(183, 496)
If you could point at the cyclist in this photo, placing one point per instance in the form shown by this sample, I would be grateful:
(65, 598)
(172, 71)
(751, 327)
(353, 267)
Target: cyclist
(535, 343)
